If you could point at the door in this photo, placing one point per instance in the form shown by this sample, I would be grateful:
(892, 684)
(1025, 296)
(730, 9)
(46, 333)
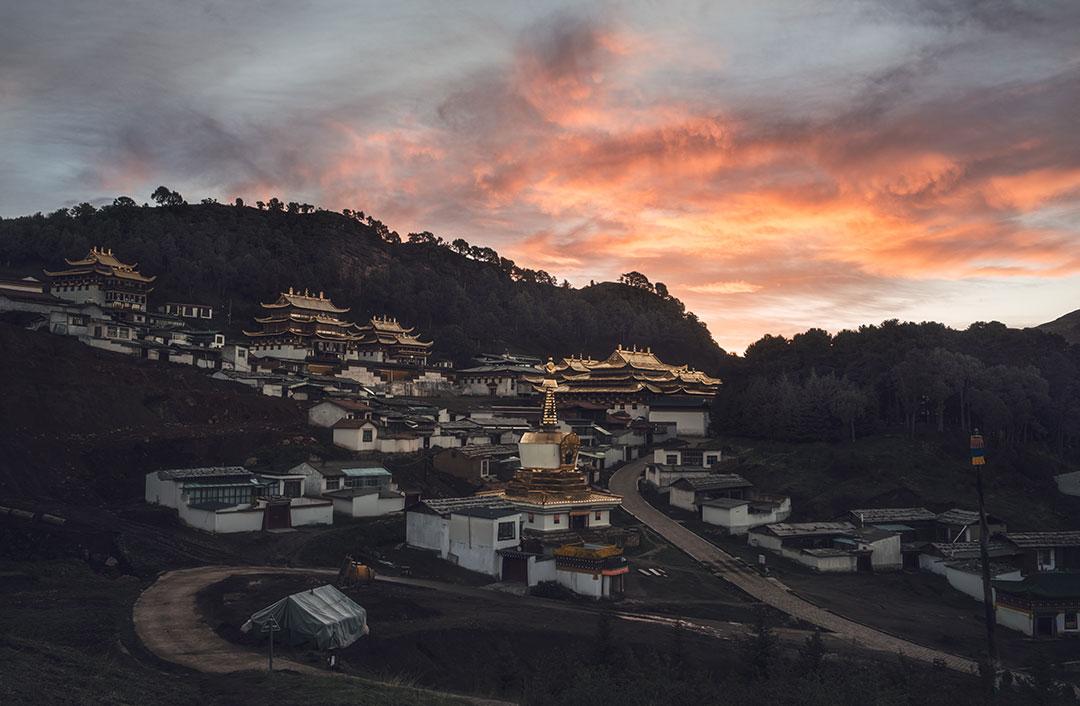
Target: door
(864, 563)
(1045, 625)
(515, 568)
(578, 521)
(277, 516)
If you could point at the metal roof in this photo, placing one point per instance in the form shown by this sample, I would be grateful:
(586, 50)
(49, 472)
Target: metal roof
(807, 529)
(892, 514)
(204, 472)
(445, 506)
(1032, 540)
(369, 472)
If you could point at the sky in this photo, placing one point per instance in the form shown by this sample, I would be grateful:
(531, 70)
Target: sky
(778, 165)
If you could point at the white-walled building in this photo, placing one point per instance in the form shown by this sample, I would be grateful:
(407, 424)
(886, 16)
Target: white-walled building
(329, 412)
(469, 532)
(689, 492)
(231, 499)
(738, 516)
(831, 547)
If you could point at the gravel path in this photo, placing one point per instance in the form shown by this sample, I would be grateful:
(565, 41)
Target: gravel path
(767, 590)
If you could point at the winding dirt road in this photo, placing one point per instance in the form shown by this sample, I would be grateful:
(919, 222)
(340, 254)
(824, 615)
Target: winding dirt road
(168, 623)
(767, 590)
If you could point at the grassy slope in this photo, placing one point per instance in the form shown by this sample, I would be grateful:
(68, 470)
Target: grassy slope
(66, 638)
(826, 480)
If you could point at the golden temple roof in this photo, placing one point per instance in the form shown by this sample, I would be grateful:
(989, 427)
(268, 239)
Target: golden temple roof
(103, 262)
(306, 300)
(627, 364)
(387, 331)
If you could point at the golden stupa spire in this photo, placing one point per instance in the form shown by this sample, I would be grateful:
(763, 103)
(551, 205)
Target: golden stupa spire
(549, 418)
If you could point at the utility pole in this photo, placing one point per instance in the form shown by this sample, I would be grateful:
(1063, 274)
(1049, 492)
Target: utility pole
(978, 460)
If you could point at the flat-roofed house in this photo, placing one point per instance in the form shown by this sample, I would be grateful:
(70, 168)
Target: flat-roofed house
(739, 515)
(478, 463)
(913, 523)
(958, 525)
(469, 531)
(936, 556)
(1040, 605)
(231, 499)
(688, 493)
(1046, 551)
(831, 547)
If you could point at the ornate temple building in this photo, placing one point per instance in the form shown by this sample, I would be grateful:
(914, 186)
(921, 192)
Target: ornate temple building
(384, 340)
(303, 325)
(100, 278)
(550, 490)
(630, 374)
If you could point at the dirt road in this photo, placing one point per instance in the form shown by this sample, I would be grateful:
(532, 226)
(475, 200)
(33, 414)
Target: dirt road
(767, 590)
(168, 623)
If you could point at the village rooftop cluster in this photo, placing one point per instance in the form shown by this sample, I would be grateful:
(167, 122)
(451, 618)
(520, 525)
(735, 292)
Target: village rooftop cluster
(533, 439)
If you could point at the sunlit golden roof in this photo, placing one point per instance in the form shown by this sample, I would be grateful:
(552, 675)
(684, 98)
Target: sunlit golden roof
(102, 261)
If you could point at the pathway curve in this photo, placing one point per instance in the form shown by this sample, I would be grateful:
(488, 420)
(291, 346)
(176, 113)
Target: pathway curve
(767, 590)
(168, 623)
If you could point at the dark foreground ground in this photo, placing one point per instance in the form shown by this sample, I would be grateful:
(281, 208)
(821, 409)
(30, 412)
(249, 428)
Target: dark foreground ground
(66, 638)
(532, 652)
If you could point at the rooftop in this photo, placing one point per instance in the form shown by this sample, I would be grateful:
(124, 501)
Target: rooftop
(956, 516)
(1046, 586)
(1031, 540)
(445, 506)
(205, 472)
(714, 481)
(490, 512)
(892, 514)
(807, 529)
(485, 450)
(724, 503)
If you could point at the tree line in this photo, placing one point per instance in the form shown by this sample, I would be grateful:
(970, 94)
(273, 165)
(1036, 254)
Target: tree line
(1014, 385)
(468, 299)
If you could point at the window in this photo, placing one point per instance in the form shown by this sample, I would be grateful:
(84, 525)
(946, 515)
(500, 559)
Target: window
(557, 520)
(507, 530)
(672, 459)
(368, 436)
(599, 515)
(1072, 621)
(485, 468)
(710, 460)
(333, 483)
(1046, 559)
(532, 518)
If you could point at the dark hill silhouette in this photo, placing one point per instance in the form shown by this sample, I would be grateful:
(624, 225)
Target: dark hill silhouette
(467, 299)
(1068, 326)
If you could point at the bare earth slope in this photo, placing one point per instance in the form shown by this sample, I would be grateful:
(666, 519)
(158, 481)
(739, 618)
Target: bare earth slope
(82, 426)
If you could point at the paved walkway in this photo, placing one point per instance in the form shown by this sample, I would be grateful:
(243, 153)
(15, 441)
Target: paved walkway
(168, 623)
(767, 590)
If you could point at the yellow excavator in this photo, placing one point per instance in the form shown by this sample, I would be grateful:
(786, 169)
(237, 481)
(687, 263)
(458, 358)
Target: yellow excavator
(353, 574)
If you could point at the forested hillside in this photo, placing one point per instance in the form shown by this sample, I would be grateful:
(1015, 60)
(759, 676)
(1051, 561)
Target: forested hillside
(1016, 386)
(1068, 326)
(468, 299)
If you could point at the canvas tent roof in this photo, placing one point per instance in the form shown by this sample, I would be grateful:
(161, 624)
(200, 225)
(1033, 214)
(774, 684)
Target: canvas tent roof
(324, 616)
